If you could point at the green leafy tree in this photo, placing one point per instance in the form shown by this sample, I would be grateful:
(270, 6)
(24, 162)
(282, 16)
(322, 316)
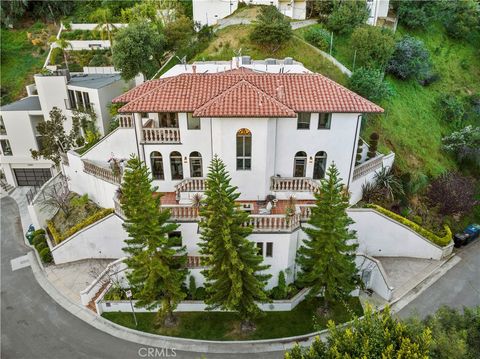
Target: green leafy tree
(377, 335)
(462, 18)
(179, 33)
(233, 278)
(415, 14)
(370, 83)
(156, 269)
(374, 46)
(55, 140)
(327, 257)
(347, 15)
(410, 59)
(271, 29)
(138, 49)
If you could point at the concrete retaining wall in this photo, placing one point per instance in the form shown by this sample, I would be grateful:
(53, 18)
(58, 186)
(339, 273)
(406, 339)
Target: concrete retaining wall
(381, 236)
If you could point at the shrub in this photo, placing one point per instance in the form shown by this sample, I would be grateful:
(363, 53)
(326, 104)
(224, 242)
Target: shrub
(46, 255)
(40, 246)
(465, 144)
(347, 15)
(318, 37)
(192, 287)
(410, 59)
(372, 149)
(374, 46)
(461, 18)
(39, 231)
(98, 60)
(200, 293)
(282, 284)
(271, 29)
(370, 83)
(56, 56)
(453, 193)
(415, 14)
(451, 108)
(39, 238)
(439, 240)
(359, 151)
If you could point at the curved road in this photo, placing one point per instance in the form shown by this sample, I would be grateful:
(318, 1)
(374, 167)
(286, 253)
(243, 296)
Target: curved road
(35, 326)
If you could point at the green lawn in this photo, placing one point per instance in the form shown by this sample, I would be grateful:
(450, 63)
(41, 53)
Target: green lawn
(225, 326)
(233, 38)
(411, 125)
(20, 60)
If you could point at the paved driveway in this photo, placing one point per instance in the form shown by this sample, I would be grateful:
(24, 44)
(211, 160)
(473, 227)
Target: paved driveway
(459, 287)
(36, 327)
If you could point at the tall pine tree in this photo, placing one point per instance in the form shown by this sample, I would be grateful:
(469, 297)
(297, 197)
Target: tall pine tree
(233, 278)
(327, 257)
(156, 270)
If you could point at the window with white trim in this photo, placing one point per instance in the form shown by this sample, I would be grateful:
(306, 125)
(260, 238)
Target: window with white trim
(324, 121)
(303, 122)
(244, 149)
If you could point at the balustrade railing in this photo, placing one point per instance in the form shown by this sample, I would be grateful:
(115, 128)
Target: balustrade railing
(125, 121)
(104, 173)
(293, 184)
(305, 211)
(161, 135)
(194, 261)
(273, 222)
(118, 207)
(182, 213)
(367, 167)
(191, 185)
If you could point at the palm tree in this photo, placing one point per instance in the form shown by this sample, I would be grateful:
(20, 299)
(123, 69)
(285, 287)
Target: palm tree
(64, 45)
(103, 16)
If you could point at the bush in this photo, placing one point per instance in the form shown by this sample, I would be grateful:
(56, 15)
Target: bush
(410, 59)
(318, 37)
(370, 84)
(374, 46)
(38, 232)
(40, 246)
(439, 240)
(192, 287)
(415, 14)
(98, 60)
(465, 144)
(451, 108)
(453, 193)
(372, 145)
(347, 15)
(461, 18)
(56, 56)
(39, 238)
(200, 293)
(271, 29)
(46, 255)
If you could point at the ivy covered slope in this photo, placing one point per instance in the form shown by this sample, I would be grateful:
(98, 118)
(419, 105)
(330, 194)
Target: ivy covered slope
(412, 125)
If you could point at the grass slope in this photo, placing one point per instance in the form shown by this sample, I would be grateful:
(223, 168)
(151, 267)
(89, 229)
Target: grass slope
(411, 125)
(225, 326)
(233, 38)
(20, 61)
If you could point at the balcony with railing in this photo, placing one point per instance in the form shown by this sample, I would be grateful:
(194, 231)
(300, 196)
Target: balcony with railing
(125, 120)
(102, 171)
(197, 184)
(161, 135)
(293, 184)
(180, 212)
(368, 166)
(273, 222)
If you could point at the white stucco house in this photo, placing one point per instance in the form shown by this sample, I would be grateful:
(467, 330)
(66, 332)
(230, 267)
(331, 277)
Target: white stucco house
(208, 12)
(275, 124)
(19, 120)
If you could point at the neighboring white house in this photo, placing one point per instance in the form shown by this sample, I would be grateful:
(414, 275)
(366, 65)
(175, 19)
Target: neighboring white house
(208, 12)
(276, 125)
(19, 120)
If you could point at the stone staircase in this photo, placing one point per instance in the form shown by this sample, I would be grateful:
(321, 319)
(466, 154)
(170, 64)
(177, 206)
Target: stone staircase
(5, 186)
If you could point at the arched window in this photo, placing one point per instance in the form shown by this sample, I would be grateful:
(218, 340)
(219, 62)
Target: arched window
(196, 164)
(320, 165)
(176, 165)
(156, 164)
(244, 149)
(300, 164)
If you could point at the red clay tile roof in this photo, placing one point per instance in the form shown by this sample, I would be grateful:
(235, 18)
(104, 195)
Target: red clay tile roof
(138, 91)
(259, 95)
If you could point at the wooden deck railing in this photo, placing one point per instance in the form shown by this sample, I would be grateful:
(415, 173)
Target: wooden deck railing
(367, 167)
(104, 173)
(125, 121)
(161, 135)
(293, 184)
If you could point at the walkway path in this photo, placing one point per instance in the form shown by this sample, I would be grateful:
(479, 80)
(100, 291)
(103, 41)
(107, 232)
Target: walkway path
(223, 23)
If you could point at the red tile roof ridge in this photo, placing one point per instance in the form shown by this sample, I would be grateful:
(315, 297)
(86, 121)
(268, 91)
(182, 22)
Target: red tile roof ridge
(287, 111)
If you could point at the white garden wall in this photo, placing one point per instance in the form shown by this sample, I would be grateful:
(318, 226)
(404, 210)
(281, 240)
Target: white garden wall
(101, 240)
(381, 236)
(374, 276)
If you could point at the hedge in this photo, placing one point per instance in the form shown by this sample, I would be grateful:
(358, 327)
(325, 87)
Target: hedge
(439, 240)
(79, 226)
(46, 255)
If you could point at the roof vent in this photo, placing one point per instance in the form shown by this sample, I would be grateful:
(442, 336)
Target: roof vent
(288, 61)
(246, 60)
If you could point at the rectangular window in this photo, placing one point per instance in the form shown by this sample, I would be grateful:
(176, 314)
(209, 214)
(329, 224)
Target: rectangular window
(244, 149)
(175, 238)
(86, 100)
(260, 248)
(303, 121)
(324, 120)
(168, 120)
(71, 100)
(193, 123)
(6, 149)
(3, 130)
(79, 98)
(269, 249)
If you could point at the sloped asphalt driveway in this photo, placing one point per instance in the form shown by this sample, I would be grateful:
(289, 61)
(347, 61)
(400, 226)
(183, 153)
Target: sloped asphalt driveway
(34, 326)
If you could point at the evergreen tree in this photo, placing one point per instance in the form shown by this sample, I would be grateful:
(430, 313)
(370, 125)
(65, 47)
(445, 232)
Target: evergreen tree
(156, 270)
(327, 257)
(233, 278)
